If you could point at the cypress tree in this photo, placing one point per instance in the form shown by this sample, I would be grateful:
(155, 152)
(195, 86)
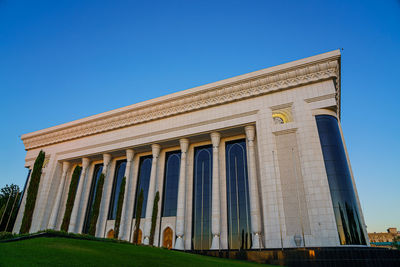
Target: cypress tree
(32, 193)
(73, 186)
(119, 207)
(154, 217)
(138, 217)
(96, 206)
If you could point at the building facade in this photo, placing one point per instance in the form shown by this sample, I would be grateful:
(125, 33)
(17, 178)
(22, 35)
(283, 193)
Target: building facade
(384, 238)
(254, 161)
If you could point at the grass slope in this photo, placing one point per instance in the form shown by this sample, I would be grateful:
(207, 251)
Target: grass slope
(49, 251)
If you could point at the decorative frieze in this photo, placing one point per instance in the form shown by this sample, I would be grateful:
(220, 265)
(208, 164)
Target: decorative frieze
(198, 99)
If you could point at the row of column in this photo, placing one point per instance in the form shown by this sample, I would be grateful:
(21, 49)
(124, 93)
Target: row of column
(80, 204)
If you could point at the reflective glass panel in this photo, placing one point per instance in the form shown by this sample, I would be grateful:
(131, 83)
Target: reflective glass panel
(98, 168)
(143, 183)
(171, 183)
(118, 177)
(202, 194)
(340, 182)
(239, 234)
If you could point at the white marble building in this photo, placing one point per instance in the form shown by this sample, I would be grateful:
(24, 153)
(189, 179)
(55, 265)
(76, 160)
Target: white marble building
(238, 163)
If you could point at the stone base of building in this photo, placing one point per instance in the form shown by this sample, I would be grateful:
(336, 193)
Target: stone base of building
(321, 256)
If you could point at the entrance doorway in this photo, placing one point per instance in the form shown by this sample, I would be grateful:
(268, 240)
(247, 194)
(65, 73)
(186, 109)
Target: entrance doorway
(167, 238)
(110, 234)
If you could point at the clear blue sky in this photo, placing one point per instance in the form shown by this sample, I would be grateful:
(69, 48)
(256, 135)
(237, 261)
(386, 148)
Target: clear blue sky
(65, 60)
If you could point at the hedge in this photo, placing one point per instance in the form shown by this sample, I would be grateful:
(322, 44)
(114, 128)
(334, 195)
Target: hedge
(32, 193)
(73, 186)
(4, 236)
(138, 217)
(96, 206)
(154, 218)
(119, 207)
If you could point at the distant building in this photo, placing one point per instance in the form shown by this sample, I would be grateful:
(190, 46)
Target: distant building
(254, 161)
(383, 239)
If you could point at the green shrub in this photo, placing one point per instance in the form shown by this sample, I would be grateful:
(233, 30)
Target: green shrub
(73, 186)
(32, 193)
(6, 235)
(396, 242)
(138, 217)
(96, 206)
(82, 236)
(54, 233)
(119, 207)
(154, 218)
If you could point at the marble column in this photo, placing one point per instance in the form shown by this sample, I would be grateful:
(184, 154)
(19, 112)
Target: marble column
(181, 205)
(254, 199)
(105, 197)
(60, 190)
(74, 221)
(127, 206)
(216, 202)
(150, 197)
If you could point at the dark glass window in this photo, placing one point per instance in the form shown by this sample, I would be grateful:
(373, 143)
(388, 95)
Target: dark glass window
(143, 183)
(340, 183)
(171, 183)
(237, 188)
(98, 168)
(118, 177)
(202, 194)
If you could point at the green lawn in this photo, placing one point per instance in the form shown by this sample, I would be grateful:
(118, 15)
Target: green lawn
(56, 251)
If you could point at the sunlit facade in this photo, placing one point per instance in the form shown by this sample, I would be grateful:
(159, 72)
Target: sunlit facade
(255, 161)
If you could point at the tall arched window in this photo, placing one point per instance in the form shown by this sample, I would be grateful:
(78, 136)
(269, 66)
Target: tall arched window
(118, 177)
(202, 194)
(239, 234)
(98, 168)
(143, 183)
(171, 183)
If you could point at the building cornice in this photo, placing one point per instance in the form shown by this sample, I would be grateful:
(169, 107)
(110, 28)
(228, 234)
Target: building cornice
(301, 72)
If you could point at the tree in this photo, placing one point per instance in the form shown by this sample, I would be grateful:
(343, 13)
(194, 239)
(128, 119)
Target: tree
(154, 218)
(9, 199)
(73, 186)
(96, 206)
(7, 190)
(396, 242)
(138, 217)
(32, 193)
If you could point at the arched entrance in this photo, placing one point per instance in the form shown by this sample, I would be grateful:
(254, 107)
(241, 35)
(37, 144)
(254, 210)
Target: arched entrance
(139, 237)
(110, 234)
(167, 238)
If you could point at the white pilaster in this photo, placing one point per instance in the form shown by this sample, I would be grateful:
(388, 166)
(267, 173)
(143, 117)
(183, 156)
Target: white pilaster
(216, 210)
(60, 190)
(105, 197)
(180, 210)
(39, 221)
(254, 199)
(74, 223)
(150, 197)
(127, 207)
